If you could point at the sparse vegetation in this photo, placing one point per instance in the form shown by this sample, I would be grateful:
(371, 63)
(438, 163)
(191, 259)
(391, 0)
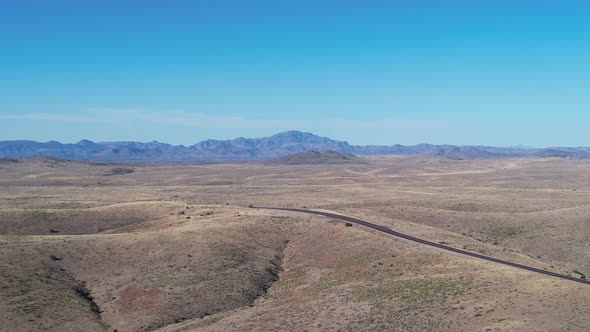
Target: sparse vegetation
(413, 291)
(147, 266)
(9, 161)
(119, 171)
(500, 233)
(84, 293)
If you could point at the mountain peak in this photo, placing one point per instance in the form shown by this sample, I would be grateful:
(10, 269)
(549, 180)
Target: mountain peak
(300, 137)
(293, 134)
(85, 142)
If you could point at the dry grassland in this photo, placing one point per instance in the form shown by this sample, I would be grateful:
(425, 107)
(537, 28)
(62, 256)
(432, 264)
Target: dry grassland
(87, 247)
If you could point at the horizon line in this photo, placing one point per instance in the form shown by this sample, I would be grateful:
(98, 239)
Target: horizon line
(514, 146)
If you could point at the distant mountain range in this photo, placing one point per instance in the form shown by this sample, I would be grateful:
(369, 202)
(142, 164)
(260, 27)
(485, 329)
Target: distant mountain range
(253, 149)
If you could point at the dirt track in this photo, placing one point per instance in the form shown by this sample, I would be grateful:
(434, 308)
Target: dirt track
(387, 230)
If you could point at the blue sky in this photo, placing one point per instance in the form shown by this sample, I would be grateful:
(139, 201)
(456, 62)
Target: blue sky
(370, 72)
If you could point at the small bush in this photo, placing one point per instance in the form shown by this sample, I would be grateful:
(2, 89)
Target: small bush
(348, 224)
(119, 171)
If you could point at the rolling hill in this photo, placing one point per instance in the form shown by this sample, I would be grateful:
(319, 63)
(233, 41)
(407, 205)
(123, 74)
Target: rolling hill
(316, 158)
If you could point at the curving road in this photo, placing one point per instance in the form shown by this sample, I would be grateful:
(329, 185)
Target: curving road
(387, 230)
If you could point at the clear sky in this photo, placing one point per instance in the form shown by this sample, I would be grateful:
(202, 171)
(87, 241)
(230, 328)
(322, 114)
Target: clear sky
(491, 72)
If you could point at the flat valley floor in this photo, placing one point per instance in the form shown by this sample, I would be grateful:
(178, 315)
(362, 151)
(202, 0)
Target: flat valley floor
(98, 247)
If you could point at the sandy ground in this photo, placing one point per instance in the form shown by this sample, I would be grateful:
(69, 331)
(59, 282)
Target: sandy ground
(176, 248)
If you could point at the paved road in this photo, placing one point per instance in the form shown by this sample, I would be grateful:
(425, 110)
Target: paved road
(387, 230)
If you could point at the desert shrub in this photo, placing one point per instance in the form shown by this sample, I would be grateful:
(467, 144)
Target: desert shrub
(9, 161)
(119, 171)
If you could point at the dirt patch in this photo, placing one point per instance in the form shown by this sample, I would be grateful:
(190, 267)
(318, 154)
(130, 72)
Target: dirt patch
(132, 300)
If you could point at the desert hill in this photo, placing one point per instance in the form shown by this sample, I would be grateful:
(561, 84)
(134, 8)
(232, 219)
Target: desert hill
(316, 157)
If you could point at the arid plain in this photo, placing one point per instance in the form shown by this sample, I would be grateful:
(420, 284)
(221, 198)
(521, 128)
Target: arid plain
(98, 247)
